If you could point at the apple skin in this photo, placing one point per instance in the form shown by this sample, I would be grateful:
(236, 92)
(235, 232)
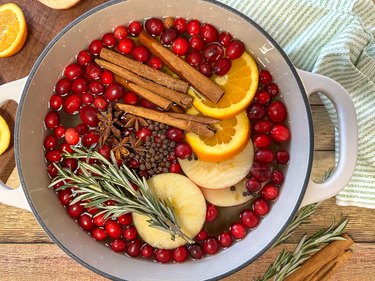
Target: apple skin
(59, 4)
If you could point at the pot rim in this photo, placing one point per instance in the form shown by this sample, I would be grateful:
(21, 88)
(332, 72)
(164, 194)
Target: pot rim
(92, 11)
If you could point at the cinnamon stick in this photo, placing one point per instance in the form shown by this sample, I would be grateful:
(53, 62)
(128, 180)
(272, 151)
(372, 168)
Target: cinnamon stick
(198, 128)
(319, 259)
(139, 90)
(198, 81)
(196, 118)
(144, 70)
(181, 99)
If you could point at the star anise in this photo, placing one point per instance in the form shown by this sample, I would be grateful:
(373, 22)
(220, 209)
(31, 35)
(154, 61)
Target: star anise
(107, 126)
(119, 147)
(136, 144)
(134, 121)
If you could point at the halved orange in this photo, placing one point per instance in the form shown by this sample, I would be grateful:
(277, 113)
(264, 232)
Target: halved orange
(4, 135)
(231, 137)
(240, 85)
(13, 30)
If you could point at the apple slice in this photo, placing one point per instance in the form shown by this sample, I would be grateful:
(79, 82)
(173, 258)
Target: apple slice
(189, 206)
(217, 175)
(59, 4)
(228, 196)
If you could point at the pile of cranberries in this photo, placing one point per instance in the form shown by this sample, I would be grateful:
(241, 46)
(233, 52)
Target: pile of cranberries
(85, 90)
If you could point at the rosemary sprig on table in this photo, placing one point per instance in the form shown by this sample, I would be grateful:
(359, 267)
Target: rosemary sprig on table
(105, 181)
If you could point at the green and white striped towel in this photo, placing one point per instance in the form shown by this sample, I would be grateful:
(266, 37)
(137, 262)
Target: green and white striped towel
(334, 38)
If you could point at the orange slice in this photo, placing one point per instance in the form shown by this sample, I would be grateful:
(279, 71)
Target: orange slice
(59, 4)
(231, 137)
(13, 30)
(240, 85)
(4, 135)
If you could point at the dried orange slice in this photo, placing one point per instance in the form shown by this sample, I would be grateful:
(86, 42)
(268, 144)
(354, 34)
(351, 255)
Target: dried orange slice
(13, 30)
(4, 135)
(240, 85)
(231, 137)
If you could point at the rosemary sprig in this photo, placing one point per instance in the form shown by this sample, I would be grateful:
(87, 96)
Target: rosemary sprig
(105, 181)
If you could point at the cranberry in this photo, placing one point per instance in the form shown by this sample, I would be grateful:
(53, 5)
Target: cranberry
(211, 213)
(222, 66)
(256, 111)
(193, 27)
(154, 26)
(213, 52)
(55, 102)
(183, 150)
(80, 86)
(237, 230)
(118, 245)
(263, 126)
(225, 38)
(209, 33)
(249, 218)
(180, 24)
(95, 47)
(194, 58)
(133, 163)
(171, 157)
(163, 255)
(211, 245)
(206, 69)
(175, 168)
(50, 142)
(180, 46)
(252, 185)
(105, 150)
(114, 92)
(196, 43)
(113, 229)
(101, 103)
(52, 170)
(143, 133)
(73, 71)
(63, 87)
(72, 104)
(125, 219)
(265, 77)
(134, 28)
(272, 89)
(264, 156)
(180, 254)
(141, 54)
(71, 164)
(89, 116)
(97, 88)
(235, 49)
(125, 46)
(71, 136)
(90, 139)
(98, 234)
(261, 206)
(282, 157)
(65, 148)
(107, 77)
(130, 233)
(99, 220)
(262, 141)
(277, 177)
(130, 98)
(84, 58)
(87, 98)
(225, 239)
(85, 221)
(263, 97)
(52, 119)
(65, 196)
(109, 40)
(270, 191)
(75, 210)
(168, 36)
(146, 103)
(120, 32)
(260, 172)
(175, 134)
(202, 235)
(147, 251)
(280, 133)
(93, 71)
(155, 62)
(196, 251)
(277, 112)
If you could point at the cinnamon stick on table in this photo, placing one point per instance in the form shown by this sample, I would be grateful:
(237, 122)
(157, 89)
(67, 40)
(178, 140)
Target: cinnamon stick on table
(181, 99)
(198, 128)
(198, 81)
(144, 70)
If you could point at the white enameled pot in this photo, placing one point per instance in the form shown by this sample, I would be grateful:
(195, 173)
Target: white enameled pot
(297, 190)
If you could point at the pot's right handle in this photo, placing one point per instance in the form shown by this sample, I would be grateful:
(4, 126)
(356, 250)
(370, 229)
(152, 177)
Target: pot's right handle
(348, 137)
(13, 197)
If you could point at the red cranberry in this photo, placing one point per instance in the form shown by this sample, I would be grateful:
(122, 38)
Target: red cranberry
(125, 46)
(71, 164)
(130, 98)
(252, 185)
(222, 66)
(270, 191)
(107, 77)
(75, 210)
(196, 251)
(143, 133)
(180, 254)
(171, 157)
(50, 142)
(263, 126)
(72, 104)
(113, 229)
(256, 111)
(154, 26)
(134, 28)
(99, 220)
(211, 245)
(194, 58)
(89, 116)
(63, 87)
(277, 112)
(180, 46)
(109, 40)
(249, 218)
(95, 47)
(93, 71)
(225, 239)
(202, 235)
(105, 150)
(213, 52)
(163, 255)
(146, 103)
(263, 97)
(175, 134)
(147, 251)
(206, 69)
(130, 233)
(97, 88)
(73, 71)
(237, 230)
(65, 148)
(265, 77)
(272, 89)
(71, 136)
(193, 27)
(80, 86)
(280, 133)
(235, 49)
(85, 221)
(175, 168)
(90, 139)
(118, 245)
(125, 219)
(209, 33)
(52, 119)
(87, 98)
(55, 102)
(114, 92)
(261, 206)
(262, 141)
(264, 156)
(52, 170)
(196, 43)
(155, 62)
(282, 157)
(211, 213)
(180, 24)
(120, 32)
(277, 177)
(98, 234)
(183, 150)
(84, 58)
(133, 163)
(260, 172)
(65, 196)
(141, 54)
(225, 38)
(101, 103)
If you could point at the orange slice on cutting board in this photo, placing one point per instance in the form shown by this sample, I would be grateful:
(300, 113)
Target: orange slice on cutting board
(13, 30)
(240, 85)
(4, 135)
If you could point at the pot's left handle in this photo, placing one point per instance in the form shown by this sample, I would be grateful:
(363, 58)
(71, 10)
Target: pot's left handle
(13, 197)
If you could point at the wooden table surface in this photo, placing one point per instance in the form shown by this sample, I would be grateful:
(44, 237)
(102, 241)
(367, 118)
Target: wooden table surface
(27, 253)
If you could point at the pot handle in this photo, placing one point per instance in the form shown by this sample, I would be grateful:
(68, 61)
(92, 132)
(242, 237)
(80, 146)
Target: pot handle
(348, 137)
(13, 197)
